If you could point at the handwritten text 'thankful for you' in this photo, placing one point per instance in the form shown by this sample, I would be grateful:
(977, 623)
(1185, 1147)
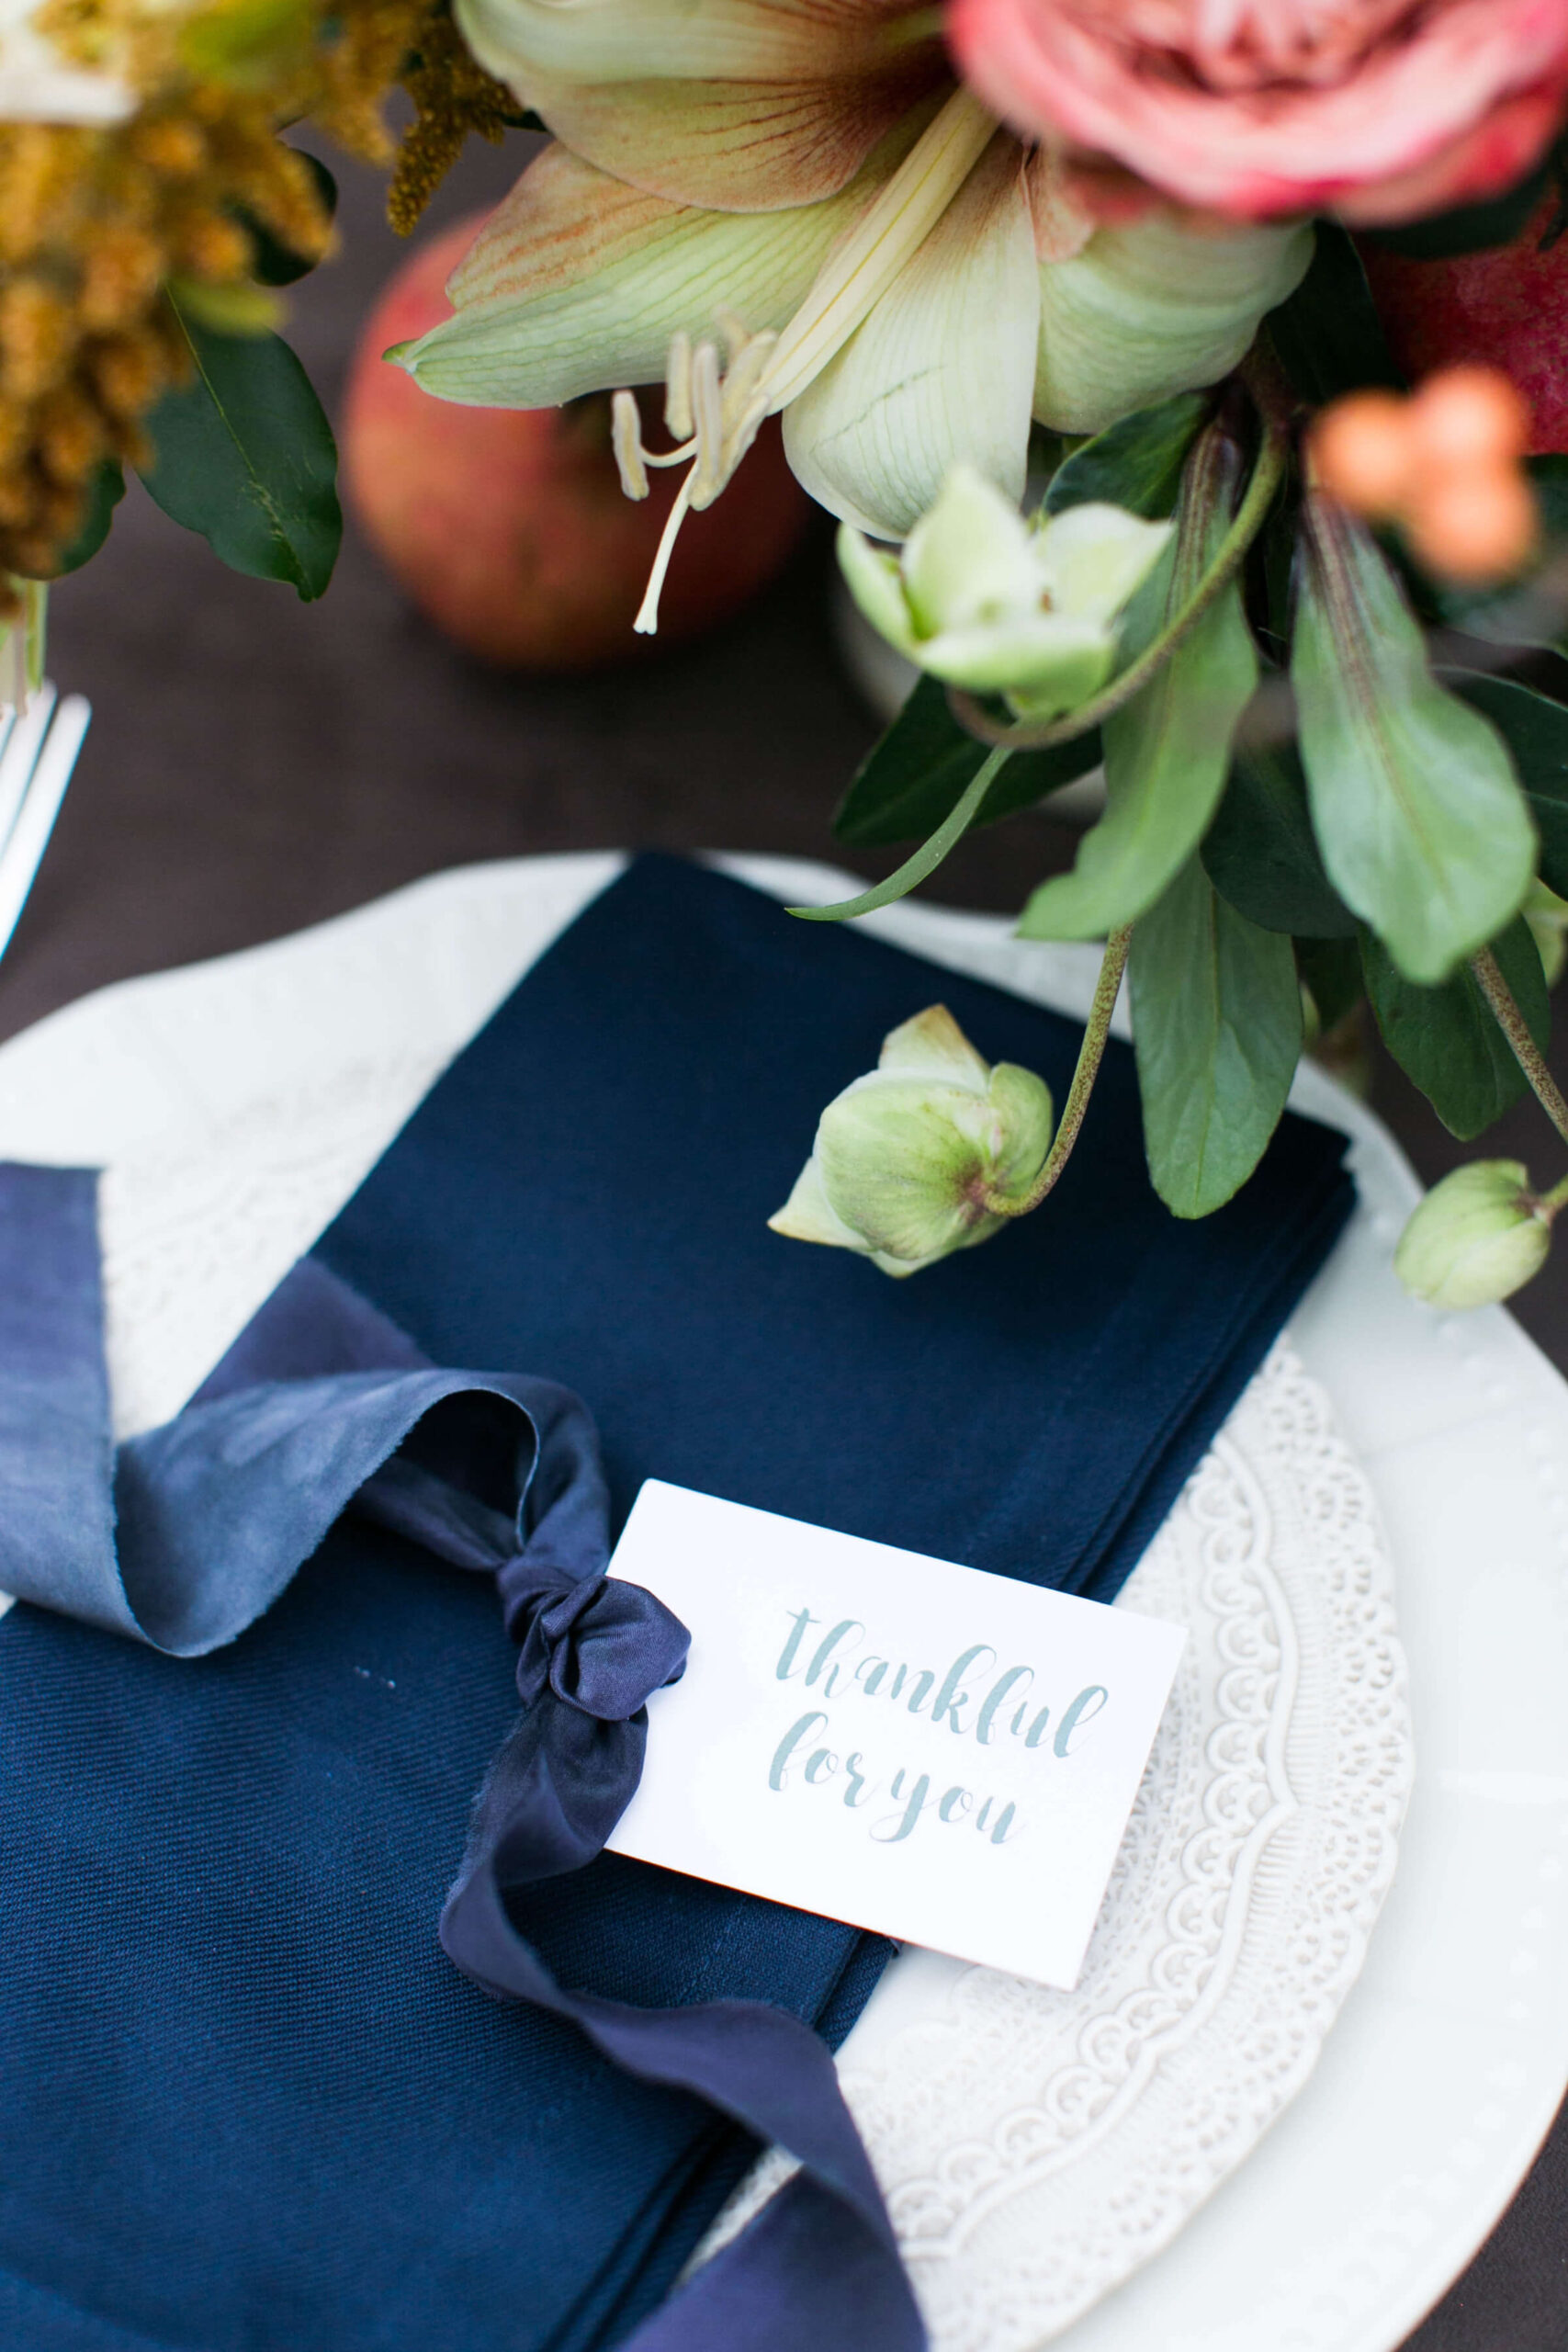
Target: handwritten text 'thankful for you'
(975, 1700)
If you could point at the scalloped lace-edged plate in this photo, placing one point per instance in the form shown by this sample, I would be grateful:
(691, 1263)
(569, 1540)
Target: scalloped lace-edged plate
(1037, 2148)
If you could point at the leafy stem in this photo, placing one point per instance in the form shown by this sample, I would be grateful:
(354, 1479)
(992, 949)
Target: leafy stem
(1090, 1054)
(927, 858)
(1526, 1052)
(1267, 475)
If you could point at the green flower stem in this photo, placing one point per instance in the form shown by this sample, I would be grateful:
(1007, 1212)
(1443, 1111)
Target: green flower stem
(1526, 1052)
(1090, 1054)
(927, 858)
(1266, 476)
(1549, 1202)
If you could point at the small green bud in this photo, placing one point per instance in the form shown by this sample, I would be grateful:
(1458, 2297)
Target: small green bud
(984, 599)
(1477, 1237)
(907, 1158)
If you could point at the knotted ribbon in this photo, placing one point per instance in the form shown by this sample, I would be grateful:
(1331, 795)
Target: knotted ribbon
(182, 1537)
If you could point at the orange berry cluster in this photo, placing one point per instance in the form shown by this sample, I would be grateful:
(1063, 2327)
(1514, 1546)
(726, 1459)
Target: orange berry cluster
(1446, 465)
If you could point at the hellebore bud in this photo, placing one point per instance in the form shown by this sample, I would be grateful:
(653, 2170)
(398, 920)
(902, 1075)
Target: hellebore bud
(907, 1158)
(984, 600)
(1478, 1235)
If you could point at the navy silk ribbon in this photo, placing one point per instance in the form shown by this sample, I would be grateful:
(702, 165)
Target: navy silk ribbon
(183, 1536)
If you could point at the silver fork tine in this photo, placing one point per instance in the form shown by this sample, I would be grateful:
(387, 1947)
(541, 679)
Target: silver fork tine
(19, 757)
(42, 796)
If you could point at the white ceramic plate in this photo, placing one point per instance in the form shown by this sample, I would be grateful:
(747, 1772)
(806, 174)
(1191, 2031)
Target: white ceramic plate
(1371, 2193)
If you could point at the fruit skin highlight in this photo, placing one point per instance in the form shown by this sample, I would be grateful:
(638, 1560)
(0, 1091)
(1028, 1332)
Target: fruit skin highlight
(1505, 308)
(507, 527)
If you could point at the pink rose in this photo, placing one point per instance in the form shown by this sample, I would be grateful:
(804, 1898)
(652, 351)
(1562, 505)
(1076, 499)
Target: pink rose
(1376, 110)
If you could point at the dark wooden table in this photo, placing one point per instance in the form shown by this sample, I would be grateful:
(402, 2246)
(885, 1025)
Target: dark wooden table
(256, 764)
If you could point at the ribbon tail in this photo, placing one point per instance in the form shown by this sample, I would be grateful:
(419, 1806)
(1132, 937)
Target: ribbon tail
(806, 2271)
(821, 2264)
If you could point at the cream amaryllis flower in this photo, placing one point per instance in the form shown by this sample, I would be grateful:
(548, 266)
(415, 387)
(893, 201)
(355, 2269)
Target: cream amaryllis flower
(786, 205)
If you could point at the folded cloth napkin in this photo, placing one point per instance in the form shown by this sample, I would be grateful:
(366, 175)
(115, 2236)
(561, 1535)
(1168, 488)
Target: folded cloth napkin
(247, 2105)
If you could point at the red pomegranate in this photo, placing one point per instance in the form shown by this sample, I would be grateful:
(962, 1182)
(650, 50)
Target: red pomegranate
(1506, 307)
(508, 527)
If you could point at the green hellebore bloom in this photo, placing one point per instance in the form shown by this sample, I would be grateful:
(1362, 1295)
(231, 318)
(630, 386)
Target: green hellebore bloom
(1477, 1237)
(984, 600)
(907, 1156)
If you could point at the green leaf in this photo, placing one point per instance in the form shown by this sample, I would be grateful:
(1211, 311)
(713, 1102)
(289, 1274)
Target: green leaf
(1217, 1032)
(924, 766)
(1447, 1038)
(272, 262)
(1259, 852)
(922, 862)
(1276, 568)
(104, 495)
(1167, 751)
(1328, 333)
(1466, 228)
(1423, 829)
(244, 454)
(1535, 730)
(1331, 973)
(1137, 463)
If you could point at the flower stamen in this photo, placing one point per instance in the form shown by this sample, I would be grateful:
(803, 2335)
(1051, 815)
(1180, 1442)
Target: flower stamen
(626, 439)
(647, 621)
(678, 387)
(706, 478)
(722, 409)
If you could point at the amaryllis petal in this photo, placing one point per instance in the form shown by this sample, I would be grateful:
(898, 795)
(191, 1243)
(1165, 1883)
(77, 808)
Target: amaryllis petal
(735, 146)
(942, 371)
(620, 42)
(577, 283)
(1153, 308)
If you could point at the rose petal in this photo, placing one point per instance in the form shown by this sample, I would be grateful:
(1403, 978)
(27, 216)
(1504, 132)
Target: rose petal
(1264, 144)
(940, 373)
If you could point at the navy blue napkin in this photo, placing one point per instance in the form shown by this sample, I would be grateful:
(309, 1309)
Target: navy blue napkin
(245, 2103)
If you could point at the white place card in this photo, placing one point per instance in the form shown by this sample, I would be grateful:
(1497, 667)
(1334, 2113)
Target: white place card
(942, 1755)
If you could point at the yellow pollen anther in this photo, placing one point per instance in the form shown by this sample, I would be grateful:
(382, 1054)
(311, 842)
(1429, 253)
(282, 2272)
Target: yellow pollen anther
(678, 387)
(626, 439)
